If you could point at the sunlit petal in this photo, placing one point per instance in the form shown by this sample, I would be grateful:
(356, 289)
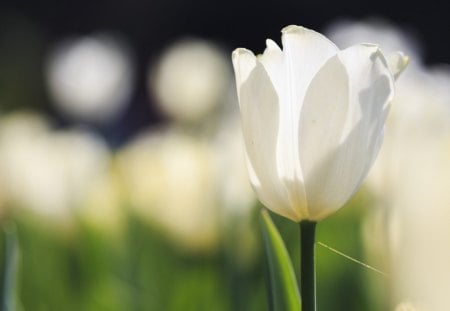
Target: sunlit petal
(339, 141)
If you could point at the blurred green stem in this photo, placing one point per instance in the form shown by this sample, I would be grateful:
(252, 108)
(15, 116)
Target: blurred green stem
(9, 269)
(307, 265)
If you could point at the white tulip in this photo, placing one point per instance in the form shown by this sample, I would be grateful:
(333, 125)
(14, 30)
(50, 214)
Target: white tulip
(312, 118)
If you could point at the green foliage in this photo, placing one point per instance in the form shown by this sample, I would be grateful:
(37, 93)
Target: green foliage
(283, 284)
(140, 269)
(9, 269)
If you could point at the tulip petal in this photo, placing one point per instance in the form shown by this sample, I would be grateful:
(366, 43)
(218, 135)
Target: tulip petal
(304, 52)
(244, 61)
(259, 110)
(272, 60)
(341, 126)
(397, 62)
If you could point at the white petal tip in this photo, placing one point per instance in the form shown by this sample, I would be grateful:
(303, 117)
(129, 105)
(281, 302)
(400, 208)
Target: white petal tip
(241, 51)
(293, 29)
(397, 63)
(271, 45)
(244, 61)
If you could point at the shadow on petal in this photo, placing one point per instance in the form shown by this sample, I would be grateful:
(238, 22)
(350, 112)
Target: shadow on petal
(339, 174)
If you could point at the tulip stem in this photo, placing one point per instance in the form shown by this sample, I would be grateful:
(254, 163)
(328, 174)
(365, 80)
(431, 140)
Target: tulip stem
(307, 265)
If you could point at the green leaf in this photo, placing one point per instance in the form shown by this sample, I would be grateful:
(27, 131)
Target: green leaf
(9, 269)
(284, 293)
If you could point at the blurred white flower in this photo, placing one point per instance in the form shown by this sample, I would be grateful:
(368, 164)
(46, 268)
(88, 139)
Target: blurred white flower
(169, 177)
(235, 195)
(410, 180)
(405, 307)
(101, 205)
(17, 133)
(312, 119)
(421, 226)
(190, 79)
(235, 192)
(48, 172)
(90, 78)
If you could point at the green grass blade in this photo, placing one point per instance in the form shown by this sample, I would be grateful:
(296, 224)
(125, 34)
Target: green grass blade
(284, 293)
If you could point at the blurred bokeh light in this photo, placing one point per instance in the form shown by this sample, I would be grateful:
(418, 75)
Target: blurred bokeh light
(190, 79)
(90, 78)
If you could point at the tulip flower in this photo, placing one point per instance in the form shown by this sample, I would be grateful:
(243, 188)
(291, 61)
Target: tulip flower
(312, 118)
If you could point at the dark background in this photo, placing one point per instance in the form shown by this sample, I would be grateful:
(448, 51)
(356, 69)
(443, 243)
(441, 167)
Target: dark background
(29, 28)
(150, 25)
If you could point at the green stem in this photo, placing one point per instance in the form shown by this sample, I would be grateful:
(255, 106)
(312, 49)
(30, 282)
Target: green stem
(9, 269)
(307, 265)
